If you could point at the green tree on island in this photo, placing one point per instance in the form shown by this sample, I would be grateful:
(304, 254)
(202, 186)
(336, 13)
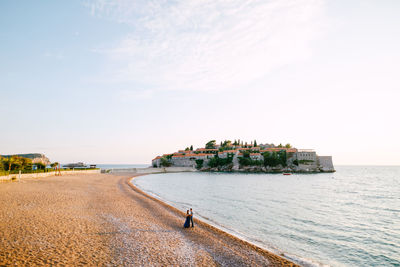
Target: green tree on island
(211, 144)
(246, 160)
(273, 159)
(219, 162)
(191, 148)
(255, 143)
(227, 143)
(199, 163)
(164, 162)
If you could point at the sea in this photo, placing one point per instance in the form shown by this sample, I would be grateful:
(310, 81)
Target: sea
(347, 218)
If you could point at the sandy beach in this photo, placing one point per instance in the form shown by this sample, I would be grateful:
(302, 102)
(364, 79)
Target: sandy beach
(100, 219)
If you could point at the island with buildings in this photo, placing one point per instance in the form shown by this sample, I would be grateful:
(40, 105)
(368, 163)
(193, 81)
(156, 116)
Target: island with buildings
(247, 157)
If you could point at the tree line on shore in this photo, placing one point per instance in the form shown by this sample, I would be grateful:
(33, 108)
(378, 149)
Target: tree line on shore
(17, 163)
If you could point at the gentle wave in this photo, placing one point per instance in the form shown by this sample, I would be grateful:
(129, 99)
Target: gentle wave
(312, 219)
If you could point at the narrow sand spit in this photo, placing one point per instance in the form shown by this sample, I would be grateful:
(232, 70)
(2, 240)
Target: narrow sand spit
(99, 219)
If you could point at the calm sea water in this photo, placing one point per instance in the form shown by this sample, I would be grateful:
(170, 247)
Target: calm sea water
(347, 218)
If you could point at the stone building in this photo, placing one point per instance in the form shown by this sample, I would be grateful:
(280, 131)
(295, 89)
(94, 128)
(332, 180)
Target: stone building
(306, 154)
(325, 163)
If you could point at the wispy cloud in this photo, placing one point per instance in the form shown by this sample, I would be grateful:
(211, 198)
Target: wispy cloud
(208, 45)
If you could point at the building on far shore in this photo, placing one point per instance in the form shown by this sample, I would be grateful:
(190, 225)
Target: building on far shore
(75, 165)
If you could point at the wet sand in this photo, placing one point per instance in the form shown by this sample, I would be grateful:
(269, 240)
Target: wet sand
(100, 219)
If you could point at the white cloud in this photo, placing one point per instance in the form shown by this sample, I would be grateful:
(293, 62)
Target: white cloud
(208, 45)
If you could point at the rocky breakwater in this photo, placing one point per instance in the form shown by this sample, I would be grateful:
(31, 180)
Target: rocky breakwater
(277, 169)
(322, 164)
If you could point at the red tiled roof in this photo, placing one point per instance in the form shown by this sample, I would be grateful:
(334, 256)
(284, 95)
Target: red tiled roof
(279, 149)
(230, 151)
(206, 149)
(191, 155)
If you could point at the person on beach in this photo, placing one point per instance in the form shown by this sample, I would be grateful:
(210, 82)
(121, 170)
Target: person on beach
(187, 222)
(191, 216)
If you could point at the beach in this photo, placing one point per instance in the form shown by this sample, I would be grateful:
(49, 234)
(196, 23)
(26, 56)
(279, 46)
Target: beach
(102, 219)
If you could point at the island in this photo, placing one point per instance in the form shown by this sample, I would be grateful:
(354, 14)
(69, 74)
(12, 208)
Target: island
(239, 156)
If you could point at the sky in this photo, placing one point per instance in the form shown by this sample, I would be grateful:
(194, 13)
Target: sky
(121, 81)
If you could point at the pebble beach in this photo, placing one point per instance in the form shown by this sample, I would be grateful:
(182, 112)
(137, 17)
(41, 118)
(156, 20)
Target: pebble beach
(102, 219)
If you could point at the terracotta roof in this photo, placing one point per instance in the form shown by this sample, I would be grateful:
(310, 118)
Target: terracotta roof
(191, 155)
(229, 151)
(195, 155)
(255, 154)
(279, 149)
(206, 149)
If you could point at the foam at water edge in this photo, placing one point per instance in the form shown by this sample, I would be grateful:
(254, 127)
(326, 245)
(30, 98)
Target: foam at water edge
(303, 261)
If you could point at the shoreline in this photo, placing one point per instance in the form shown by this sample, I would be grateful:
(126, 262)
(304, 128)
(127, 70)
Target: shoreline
(173, 169)
(208, 226)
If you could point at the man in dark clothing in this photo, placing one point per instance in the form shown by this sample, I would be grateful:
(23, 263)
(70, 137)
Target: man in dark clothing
(191, 216)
